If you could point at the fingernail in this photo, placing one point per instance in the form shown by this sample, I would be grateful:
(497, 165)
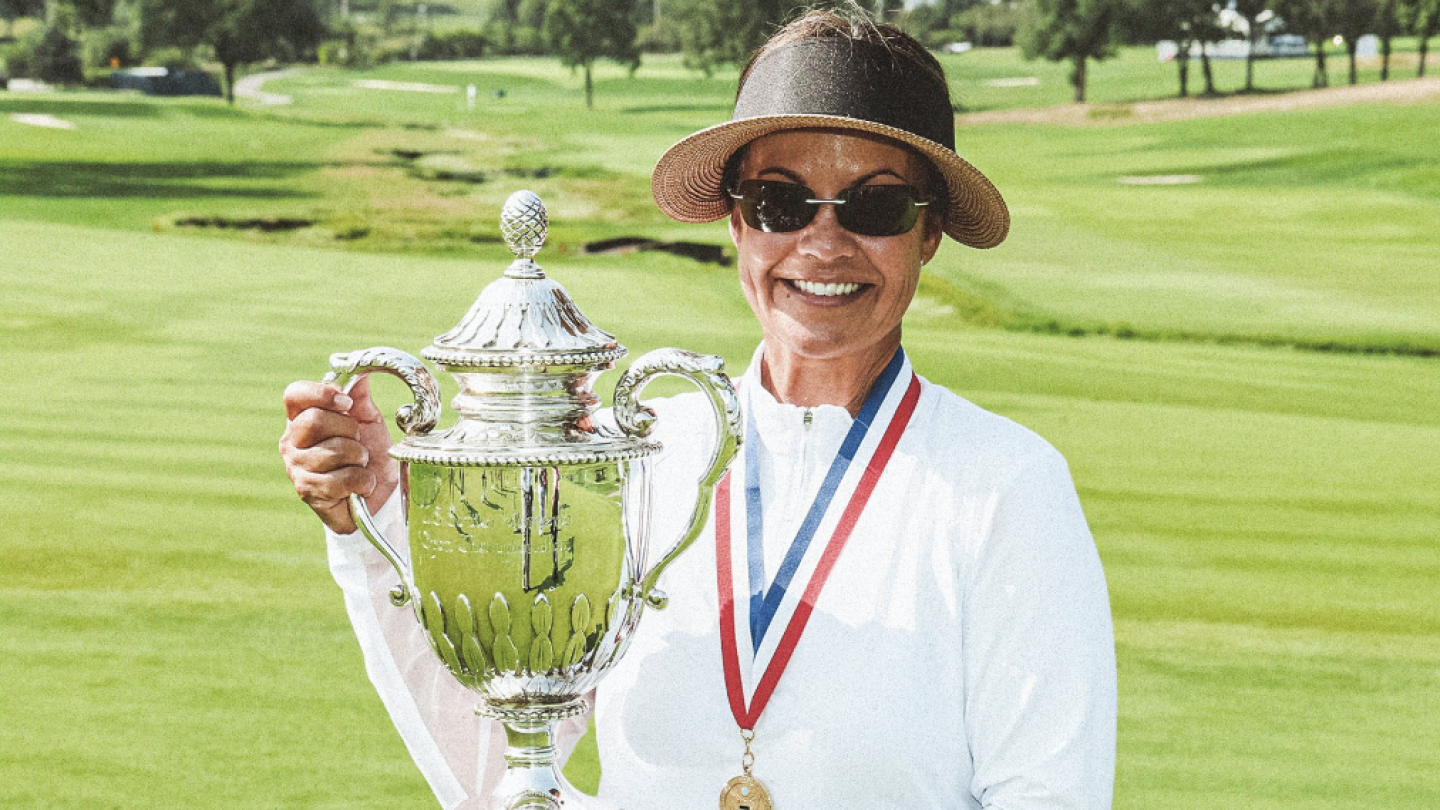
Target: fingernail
(343, 402)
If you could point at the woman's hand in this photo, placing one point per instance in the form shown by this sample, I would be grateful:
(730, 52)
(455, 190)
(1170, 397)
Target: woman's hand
(335, 445)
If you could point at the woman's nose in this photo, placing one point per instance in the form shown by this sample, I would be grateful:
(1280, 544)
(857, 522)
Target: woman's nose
(824, 237)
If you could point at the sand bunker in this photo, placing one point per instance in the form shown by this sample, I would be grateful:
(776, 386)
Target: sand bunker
(409, 87)
(41, 120)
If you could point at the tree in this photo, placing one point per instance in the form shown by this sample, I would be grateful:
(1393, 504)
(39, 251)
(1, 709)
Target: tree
(1074, 30)
(581, 31)
(1251, 11)
(174, 23)
(990, 24)
(1387, 27)
(1311, 19)
(57, 54)
(928, 21)
(1422, 19)
(506, 11)
(388, 13)
(1187, 22)
(10, 9)
(1204, 22)
(94, 13)
(531, 13)
(242, 32)
(250, 31)
(717, 32)
(1354, 19)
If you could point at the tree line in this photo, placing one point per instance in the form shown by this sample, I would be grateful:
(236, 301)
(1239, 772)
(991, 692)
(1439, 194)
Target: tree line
(1078, 31)
(118, 33)
(709, 33)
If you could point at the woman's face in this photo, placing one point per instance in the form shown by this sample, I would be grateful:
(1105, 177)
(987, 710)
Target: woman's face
(822, 291)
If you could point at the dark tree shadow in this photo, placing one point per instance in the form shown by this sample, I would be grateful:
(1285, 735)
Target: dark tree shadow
(174, 179)
(58, 107)
(722, 108)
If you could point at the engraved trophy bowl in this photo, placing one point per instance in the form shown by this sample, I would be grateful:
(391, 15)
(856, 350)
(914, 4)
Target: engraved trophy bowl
(529, 520)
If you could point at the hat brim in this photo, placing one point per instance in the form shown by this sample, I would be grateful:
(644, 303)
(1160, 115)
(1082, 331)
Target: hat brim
(688, 181)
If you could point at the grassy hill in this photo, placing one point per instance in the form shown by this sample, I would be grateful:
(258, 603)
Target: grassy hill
(1267, 516)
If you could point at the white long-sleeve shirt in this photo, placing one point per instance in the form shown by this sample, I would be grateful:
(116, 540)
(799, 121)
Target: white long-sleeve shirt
(960, 656)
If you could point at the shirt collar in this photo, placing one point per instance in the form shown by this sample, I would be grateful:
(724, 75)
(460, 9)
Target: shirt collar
(779, 423)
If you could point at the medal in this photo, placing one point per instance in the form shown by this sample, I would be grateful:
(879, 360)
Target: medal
(890, 404)
(745, 792)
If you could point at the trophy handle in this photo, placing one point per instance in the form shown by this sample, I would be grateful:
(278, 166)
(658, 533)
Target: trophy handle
(706, 371)
(346, 369)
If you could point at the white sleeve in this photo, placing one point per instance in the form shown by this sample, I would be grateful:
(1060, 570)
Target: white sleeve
(1039, 652)
(460, 754)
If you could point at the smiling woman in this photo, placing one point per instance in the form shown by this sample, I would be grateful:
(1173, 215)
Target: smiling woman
(898, 602)
(829, 299)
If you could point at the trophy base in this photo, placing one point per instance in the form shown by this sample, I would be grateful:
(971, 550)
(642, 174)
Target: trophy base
(533, 780)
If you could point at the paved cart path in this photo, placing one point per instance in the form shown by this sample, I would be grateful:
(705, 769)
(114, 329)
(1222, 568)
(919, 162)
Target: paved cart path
(251, 86)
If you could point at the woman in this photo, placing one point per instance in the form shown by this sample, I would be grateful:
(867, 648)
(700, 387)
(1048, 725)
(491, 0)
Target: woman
(897, 602)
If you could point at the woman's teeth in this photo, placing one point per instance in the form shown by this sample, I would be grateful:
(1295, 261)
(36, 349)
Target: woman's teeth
(816, 288)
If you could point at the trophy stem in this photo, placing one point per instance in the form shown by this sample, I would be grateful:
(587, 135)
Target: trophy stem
(533, 780)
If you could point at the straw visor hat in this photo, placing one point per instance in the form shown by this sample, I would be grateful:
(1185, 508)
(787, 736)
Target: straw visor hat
(833, 83)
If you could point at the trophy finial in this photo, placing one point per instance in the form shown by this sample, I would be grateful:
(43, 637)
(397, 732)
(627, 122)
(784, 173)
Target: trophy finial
(524, 224)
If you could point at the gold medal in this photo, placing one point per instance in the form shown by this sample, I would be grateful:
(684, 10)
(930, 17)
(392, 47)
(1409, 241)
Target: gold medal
(745, 792)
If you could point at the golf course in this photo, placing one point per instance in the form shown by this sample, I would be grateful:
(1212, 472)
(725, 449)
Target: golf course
(1228, 323)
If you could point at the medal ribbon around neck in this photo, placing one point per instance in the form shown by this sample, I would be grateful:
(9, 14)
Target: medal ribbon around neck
(881, 409)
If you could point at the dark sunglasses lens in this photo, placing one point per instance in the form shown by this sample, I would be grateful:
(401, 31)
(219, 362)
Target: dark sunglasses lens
(774, 207)
(879, 210)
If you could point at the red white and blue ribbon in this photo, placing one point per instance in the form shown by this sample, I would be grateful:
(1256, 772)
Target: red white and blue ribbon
(786, 604)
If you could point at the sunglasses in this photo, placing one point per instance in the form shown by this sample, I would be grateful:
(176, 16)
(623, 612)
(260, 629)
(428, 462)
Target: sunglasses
(774, 206)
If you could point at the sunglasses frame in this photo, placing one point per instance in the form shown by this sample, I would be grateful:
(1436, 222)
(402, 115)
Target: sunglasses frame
(813, 204)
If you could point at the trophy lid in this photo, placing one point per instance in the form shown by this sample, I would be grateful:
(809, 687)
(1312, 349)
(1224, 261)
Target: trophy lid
(524, 357)
(524, 318)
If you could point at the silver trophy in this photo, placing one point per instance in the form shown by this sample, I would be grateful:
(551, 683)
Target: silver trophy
(529, 519)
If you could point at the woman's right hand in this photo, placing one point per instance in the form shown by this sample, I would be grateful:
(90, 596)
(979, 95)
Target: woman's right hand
(335, 445)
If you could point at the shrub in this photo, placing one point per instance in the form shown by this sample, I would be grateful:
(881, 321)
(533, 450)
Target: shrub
(435, 47)
(352, 45)
(456, 44)
(990, 24)
(17, 60)
(515, 39)
(658, 37)
(57, 58)
(111, 46)
(26, 28)
(173, 58)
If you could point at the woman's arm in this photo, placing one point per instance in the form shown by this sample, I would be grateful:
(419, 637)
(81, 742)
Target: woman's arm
(1039, 651)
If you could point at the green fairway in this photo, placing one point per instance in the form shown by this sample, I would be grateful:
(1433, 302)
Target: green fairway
(1310, 226)
(1268, 516)
(1315, 225)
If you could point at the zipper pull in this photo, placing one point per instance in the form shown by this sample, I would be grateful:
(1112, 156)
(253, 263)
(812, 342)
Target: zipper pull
(809, 418)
